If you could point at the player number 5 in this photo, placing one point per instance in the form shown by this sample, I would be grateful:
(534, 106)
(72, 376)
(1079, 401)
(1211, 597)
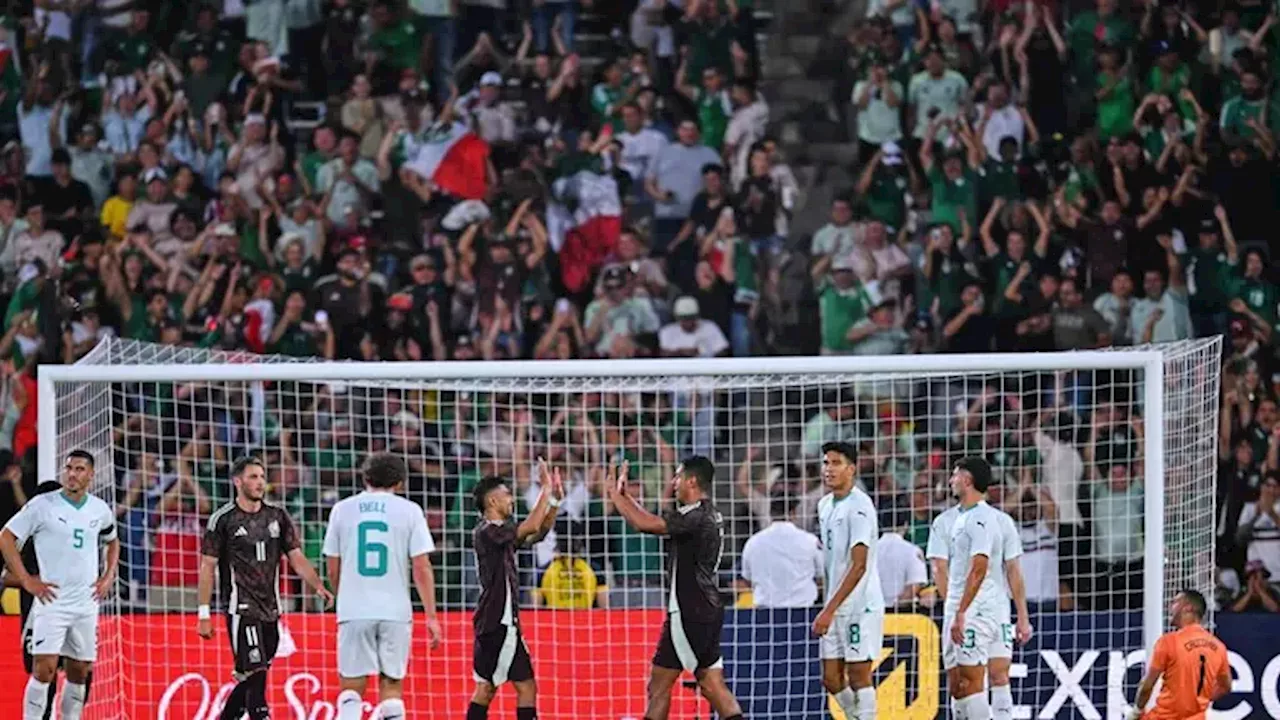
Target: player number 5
(77, 537)
(372, 554)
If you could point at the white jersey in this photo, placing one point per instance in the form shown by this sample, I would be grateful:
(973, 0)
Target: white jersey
(68, 540)
(376, 534)
(846, 523)
(977, 531)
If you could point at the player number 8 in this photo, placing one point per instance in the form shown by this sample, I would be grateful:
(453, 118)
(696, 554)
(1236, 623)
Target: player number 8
(855, 634)
(372, 555)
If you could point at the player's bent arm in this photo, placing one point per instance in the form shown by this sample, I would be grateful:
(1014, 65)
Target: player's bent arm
(977, 571)
(852, 576)
(333, 570)
(532, 525)
(1223, 686)
(940, 577)
(637, 517)
(204, 581)
(301, 565)
(113, 563)
(1017, 586)
(1144, 691)
(12, 557)
(424, 578)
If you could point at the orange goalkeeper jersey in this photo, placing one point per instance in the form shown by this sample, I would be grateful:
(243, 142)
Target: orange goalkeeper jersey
(1191, 660)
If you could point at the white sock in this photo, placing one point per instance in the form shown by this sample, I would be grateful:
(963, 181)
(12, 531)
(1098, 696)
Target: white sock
(1001, 702)
(350, 705)
(867, 703)
(72, 701)
(392, 709)
(37, 697)
(974, 707)
(848, 703)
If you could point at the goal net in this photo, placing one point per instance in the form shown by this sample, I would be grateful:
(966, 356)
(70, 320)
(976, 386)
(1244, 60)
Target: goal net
(1105, 459)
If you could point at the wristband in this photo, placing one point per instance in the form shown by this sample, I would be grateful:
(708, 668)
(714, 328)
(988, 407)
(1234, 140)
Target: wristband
(202, 612)
(553, 501)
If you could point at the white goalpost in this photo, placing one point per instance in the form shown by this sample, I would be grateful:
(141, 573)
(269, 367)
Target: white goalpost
(1106, 459)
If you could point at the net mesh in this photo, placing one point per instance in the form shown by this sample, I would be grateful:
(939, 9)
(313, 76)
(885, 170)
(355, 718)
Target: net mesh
(1067, 447)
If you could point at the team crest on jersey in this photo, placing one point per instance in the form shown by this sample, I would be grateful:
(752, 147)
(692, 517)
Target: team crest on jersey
(274, 529)
(255, 656)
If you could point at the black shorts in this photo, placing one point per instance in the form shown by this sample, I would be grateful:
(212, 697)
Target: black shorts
(500, 655)
(253, 644)
(688, 645)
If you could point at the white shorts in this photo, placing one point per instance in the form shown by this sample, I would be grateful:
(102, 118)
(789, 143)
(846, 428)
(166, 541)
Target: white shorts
(980, 633)
(66, 632)
(374, 647)
(1001, 646)
(851, 641)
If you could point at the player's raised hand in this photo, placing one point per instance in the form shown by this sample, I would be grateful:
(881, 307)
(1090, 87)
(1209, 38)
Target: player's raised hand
(557, 484)
(621, 486)
(39, 589)
(434, 634)
(1023, 632)
(205, 628)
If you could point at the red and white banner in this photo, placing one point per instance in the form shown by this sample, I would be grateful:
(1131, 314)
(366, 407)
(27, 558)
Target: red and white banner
(588, 663)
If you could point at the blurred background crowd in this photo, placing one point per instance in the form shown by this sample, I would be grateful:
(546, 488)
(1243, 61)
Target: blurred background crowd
(393, 180)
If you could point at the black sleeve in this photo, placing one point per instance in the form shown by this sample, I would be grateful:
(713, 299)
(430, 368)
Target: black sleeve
(494, 536)
(213, 538)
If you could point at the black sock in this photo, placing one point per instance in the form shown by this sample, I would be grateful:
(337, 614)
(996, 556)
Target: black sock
(735, 717)
(255, 696)
(526, 713)
(51, 697)
(476, 711)
(234, 709)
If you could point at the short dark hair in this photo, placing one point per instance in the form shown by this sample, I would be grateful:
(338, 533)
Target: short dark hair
(701, 468)
(783, 504)
(384, 470)
(849, 452)
(484, 487)
(978, 469)
(47, 486)
(238, 468)
(80, 454)
(1198, 605)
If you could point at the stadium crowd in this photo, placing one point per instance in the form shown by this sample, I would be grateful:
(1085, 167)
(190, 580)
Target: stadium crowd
(447, 179)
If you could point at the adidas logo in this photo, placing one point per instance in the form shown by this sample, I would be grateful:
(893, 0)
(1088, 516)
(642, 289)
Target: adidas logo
(241, 532)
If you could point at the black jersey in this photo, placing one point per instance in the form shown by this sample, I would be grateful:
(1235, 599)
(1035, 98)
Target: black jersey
(249, 546)
(693, 558)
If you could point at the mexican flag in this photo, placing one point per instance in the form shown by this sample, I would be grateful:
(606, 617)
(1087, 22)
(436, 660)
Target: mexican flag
(585, 219)
(452, 157)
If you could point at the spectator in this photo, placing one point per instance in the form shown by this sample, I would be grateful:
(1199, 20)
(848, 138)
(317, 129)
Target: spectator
(1077, 326)
(782, 562)
(674, 181)
(935, 98)
(1259, 594)
(1162, 314)
(1259, 526)
(1117, 536)
(902, 569)
(878, 100)
(690, 335)
(614, 321)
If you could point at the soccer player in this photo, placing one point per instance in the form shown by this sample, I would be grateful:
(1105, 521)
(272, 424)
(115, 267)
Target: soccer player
(374, 541)
(974, 594)
(690, 637)
(244, 542)
(500, 652)
(68, 529)
(851, 623)
(1000, 652)
(25, 602)
(1192, 661)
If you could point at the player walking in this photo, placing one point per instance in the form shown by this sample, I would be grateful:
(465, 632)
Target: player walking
(851, 624)
(975, 591)
(500, 652)
(1000, 652)
(68, 529)
(244, 541)
(690, 637)
(1193, 663)
(375, 540)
